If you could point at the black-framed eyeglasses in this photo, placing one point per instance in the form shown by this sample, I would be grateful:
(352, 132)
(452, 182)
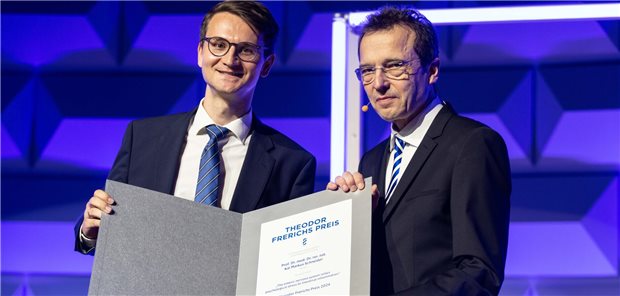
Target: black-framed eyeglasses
(246, 51)
(393, 70)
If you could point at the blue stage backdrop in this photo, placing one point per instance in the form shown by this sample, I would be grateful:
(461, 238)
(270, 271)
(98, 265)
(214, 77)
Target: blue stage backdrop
(75, 73)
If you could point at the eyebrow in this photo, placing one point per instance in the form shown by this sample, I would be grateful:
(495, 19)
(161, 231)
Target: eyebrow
(395, 60)
(241, 42)
(386, 61)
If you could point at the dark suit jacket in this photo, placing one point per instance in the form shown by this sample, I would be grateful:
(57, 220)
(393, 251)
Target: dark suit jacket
(445, 228)
(275, 168)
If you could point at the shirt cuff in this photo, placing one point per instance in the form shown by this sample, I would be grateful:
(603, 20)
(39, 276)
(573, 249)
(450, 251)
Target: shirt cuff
(87, 244)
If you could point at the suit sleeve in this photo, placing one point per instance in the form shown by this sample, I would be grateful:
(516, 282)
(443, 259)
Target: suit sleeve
(120, 168)
(480, 210)
(119, 172)
(304, 183)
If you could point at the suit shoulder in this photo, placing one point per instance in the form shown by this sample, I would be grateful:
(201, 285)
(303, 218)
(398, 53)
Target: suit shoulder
(375, 153)
(462, 131)
(465, 127)
(161, 120)
(282, 141)
(153, 127)
(379, 148)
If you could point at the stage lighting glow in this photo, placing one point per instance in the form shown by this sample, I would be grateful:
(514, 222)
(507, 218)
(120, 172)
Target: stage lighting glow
(455, 16)
(338, 97)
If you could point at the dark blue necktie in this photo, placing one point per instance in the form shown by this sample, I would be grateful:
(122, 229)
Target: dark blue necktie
(209, 171)
(399, 145)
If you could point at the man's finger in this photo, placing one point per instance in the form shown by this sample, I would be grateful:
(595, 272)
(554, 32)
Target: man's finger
(89, 224)
(97, 203)
(350, 181)
(342, 183)
(94, 213)
(104, 196)
(359, 180)
(374, 192)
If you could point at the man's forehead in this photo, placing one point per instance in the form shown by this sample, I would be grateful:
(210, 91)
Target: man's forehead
(379, 50)
(398, 31)
(228, 25)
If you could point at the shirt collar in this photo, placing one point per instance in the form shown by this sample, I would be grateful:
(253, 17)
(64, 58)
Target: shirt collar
(239, 127)
(414, 131)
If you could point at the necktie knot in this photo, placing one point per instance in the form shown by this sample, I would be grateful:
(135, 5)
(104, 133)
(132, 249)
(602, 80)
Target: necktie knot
(216, 132)
(399, 144)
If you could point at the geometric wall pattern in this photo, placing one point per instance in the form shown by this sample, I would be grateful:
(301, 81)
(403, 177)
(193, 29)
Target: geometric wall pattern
(74, 74)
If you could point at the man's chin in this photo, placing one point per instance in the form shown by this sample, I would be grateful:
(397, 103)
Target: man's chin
(385, 115)
(226, 89)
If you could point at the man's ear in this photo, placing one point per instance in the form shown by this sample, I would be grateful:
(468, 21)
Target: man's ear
(433, 71)
(199, 52)
(267, 65)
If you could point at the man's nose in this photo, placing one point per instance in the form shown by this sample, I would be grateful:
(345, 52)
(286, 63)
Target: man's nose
(380, 81)
(231, 58)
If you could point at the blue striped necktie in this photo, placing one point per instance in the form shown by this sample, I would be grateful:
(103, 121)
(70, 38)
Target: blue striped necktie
(209, 171)
(399, 145)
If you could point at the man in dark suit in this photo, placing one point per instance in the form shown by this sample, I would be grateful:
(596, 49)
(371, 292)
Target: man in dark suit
(442, 182)
(252, 165)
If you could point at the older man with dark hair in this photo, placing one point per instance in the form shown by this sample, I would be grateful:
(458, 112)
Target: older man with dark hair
(442, 181)
(220, 153)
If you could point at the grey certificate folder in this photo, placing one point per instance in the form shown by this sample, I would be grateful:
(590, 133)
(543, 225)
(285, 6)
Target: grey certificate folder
(157, 244)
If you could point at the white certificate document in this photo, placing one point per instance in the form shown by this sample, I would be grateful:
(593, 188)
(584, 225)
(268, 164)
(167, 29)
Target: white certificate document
(307, 253)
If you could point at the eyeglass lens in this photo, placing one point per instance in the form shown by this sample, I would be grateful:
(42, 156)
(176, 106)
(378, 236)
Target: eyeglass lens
(246, 51)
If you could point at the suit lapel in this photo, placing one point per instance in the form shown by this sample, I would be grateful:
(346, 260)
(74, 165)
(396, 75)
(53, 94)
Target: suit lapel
(382, 169)
(426, 148)
(171, 144)
(255, 172)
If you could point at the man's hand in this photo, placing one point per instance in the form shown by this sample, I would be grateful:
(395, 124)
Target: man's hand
(347, 182)
(99, 203)
(352, 182)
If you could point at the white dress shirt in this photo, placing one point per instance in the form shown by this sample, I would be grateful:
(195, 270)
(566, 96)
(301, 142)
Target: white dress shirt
(233, 149)
(412, 134)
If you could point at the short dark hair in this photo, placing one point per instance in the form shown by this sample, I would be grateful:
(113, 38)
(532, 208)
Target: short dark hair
(426, 45)
(254, 13)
